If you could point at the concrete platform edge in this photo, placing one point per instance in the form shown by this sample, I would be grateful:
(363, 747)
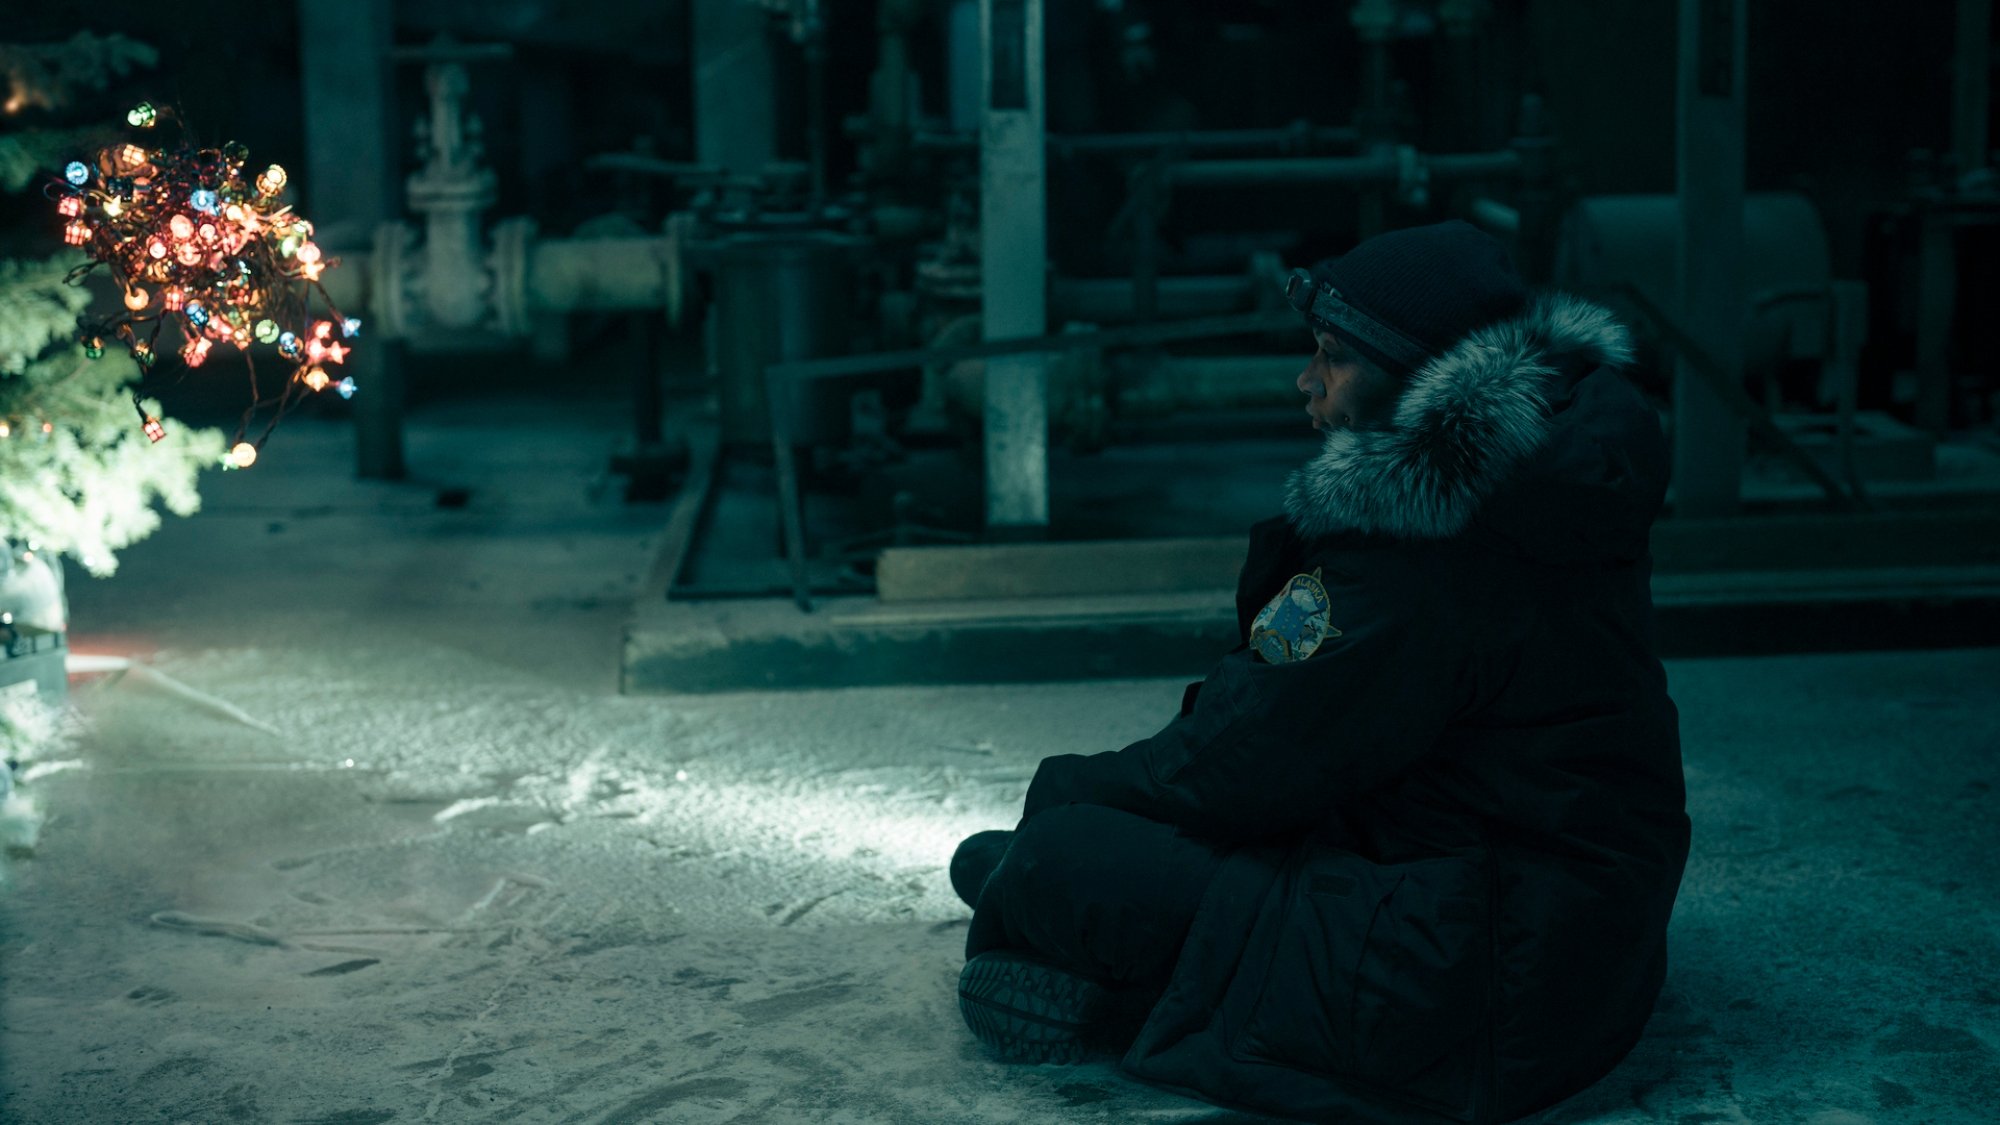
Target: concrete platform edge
(699, 647)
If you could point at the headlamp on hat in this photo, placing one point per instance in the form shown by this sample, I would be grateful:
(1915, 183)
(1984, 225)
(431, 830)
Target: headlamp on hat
(1325, 308)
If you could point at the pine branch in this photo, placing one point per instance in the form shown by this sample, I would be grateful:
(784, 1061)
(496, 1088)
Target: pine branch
(37, 307)
(50, 75)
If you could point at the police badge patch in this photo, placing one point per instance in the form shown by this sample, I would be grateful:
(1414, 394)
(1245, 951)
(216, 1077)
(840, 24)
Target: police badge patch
(1294, 624)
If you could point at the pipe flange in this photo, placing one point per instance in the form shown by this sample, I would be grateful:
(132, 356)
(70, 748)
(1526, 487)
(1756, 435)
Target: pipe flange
(508, 264)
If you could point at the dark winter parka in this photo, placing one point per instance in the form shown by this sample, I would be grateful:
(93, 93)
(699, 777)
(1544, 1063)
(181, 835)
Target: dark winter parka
(1445, 756)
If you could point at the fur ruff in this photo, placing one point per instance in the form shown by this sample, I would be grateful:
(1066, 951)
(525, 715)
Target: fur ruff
(1465, 422)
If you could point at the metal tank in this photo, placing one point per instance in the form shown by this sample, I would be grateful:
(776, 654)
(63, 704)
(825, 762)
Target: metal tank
(1787, 269)
(781, 296)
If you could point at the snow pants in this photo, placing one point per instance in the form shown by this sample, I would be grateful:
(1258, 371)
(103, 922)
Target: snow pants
(1100, 892)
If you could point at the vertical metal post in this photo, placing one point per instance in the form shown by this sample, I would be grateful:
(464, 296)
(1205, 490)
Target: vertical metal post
(1146, 192)
(1013, 264)
(735, 107)
(1375, 22)
(1847, 330)
(1937, 306)
(1971, 74)
(351, 172)
(1709, 439)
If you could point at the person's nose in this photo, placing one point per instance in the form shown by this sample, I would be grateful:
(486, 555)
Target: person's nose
(1307, 381)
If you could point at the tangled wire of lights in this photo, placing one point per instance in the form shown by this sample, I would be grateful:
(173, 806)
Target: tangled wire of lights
(199, 244)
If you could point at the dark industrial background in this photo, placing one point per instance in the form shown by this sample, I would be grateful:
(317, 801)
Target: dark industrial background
(575, 725)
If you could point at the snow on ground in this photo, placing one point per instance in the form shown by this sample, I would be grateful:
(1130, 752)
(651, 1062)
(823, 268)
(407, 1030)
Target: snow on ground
(445, 873)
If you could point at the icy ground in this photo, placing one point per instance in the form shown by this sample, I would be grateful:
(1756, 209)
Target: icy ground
(444, 873)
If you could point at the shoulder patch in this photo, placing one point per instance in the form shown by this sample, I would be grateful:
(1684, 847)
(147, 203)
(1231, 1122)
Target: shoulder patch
(1294, 624)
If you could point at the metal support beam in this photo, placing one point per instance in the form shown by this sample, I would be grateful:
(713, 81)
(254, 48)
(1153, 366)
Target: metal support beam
(1971, 77)
(1013, 263)
(735, 101)
(351, 174)
(1937, 307)
(1709, 439)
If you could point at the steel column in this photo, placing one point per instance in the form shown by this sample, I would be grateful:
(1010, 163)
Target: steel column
(351, 174)
(735, 108)
(1013, 263)
(1971, 77)
(1709, 439)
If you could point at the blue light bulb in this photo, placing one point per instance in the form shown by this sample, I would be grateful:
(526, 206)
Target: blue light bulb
(351, 326)
(78, 173)
(197, 315)
(345, 387)
(204, 200)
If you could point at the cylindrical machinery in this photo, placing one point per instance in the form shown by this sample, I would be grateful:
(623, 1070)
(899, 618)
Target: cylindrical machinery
(1612, 239)
(781, 296)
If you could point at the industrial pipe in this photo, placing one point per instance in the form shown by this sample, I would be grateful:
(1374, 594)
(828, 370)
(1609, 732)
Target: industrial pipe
(1186, 140)
(1386, 168)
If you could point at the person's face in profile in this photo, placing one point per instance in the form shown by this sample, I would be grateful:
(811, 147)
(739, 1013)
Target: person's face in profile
(1344, 391)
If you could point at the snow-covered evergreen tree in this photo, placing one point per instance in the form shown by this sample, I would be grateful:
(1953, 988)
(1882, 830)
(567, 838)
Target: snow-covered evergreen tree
(78, 476)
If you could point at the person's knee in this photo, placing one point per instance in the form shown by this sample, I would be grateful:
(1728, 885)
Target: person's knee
(1058, 831)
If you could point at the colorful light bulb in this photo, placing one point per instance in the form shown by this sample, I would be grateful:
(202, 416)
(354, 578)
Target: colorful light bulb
(77, 173)
(351, 326)
(137, 298)
(142, 115)
(69, 206)
(308, 253)
(153, 429)
(272, 181)
(182, 227)
(242, 455)
(173, 300)
(315, 379)
(204, 200)
(267, 330)
(196, 314)
(157, 248)
(77, 232)
(345, 387)
(114, 207)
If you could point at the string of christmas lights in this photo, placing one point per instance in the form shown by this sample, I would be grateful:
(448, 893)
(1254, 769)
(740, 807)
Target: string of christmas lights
(198, 243)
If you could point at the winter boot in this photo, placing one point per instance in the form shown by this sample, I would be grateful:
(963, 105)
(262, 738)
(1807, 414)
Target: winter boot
(1031, 1011)
(975, 859)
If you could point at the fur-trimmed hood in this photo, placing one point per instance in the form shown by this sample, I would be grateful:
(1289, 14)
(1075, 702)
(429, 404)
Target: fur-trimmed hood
(1502, 412)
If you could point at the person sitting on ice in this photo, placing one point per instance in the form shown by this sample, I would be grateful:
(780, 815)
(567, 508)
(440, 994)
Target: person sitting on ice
(1409, 851)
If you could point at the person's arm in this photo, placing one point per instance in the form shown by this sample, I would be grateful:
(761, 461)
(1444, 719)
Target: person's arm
(1266, 750)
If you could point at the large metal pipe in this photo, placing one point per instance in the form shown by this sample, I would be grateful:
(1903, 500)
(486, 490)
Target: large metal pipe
(1300, 134)
(1102, 300)
(1384, 168)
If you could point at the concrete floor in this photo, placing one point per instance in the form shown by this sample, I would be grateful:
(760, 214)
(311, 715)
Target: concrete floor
(465, 881)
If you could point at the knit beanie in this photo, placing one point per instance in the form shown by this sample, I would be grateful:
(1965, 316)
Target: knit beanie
(1406, 297)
